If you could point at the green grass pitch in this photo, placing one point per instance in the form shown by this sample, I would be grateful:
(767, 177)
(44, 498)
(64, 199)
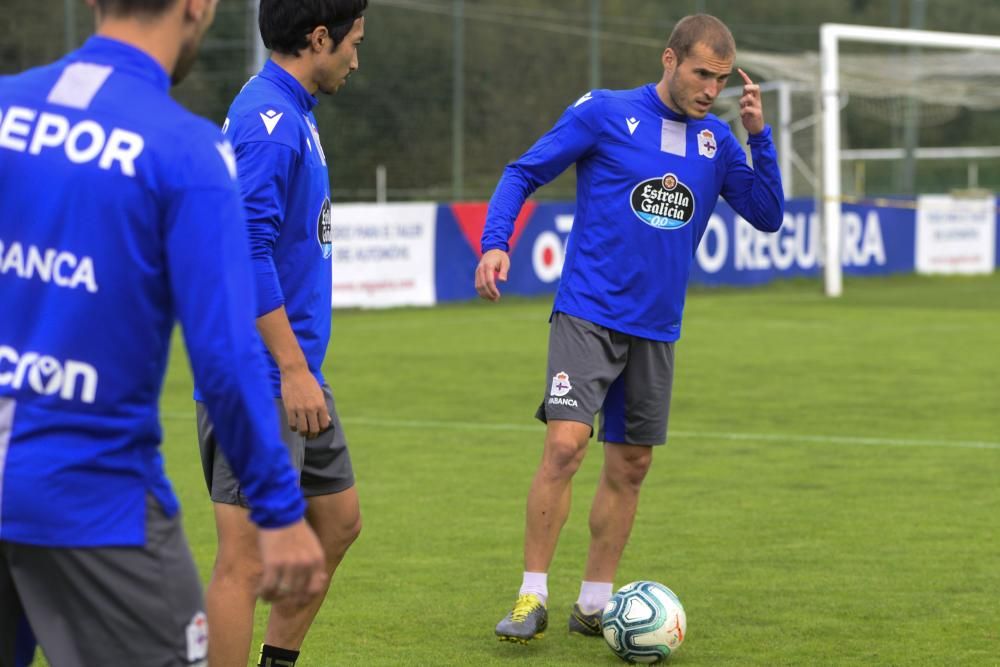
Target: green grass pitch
(830, 493)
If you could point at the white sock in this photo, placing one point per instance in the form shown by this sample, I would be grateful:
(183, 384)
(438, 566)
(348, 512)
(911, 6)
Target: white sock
(594, 595)
(537, 583)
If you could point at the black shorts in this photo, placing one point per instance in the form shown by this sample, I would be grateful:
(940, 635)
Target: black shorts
(628, 379)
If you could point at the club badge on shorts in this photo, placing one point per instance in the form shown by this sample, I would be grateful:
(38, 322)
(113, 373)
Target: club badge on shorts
(197, 637)
(560, 384)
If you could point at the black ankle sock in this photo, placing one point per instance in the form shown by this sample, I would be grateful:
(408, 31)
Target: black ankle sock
(272, 656)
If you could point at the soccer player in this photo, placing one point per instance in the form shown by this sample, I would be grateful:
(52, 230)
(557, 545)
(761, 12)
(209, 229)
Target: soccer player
(117, 206)
(286, 191)
(651, 163)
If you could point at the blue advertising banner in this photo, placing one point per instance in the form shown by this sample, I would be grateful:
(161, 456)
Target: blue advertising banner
(877, 241)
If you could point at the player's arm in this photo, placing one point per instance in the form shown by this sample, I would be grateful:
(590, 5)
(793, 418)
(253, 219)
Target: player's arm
(301, 394)
(756, 194)
(206, 245)
(571, 139)
(265, 169)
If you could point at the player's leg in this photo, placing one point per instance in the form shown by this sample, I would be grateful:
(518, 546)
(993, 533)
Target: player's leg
(336, 518)
(633, 419)
(551, 489)
(611, 517)
(231, 595)
(583, 360)
(115, 606)
(10, 612)
(17, 641)
(613, 510)
(334, 514)
(548, 507)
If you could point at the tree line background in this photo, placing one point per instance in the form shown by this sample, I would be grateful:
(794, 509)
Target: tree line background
(444, 102)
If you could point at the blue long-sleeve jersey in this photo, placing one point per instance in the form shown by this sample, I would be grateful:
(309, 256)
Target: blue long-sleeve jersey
(285, 186)
(647, 182)
(117, 207)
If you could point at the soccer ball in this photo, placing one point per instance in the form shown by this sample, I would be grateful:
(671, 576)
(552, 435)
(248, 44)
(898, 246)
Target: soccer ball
(644, 622)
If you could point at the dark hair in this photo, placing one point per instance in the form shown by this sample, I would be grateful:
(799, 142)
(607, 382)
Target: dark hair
(701, 29)
(132, 7)
(285, 25)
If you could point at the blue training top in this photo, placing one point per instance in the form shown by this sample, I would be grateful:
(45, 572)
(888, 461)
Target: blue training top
(647, 183)
(286, 191)
(117, 209)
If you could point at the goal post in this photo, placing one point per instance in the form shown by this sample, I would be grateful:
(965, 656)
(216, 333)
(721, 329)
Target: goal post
(831, 37)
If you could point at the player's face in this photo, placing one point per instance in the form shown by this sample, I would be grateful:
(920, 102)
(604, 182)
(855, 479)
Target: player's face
(693, 84)
(197, 28)
(334, 67)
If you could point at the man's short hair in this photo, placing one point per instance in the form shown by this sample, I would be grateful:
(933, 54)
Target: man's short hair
(133, 7)
(285, 25)
(701, 29)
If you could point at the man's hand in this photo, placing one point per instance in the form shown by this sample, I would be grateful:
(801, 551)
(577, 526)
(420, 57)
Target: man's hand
(492, 267)
(304, 402)
(294, 564)
(751, 112)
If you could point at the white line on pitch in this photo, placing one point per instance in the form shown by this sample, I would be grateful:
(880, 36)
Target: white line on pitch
(698, 435)
(694, 435)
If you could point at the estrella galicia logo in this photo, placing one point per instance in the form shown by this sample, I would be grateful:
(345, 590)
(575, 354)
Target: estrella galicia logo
(664, 203)
(324, 229)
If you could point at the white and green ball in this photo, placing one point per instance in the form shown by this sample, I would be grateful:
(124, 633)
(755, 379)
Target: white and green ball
(644, 622)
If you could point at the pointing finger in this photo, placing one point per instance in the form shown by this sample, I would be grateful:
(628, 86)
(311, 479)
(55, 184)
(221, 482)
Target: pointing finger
(746, 79)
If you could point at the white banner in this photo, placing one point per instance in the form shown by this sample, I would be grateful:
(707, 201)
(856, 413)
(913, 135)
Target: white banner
(955, 234)
(383, 255)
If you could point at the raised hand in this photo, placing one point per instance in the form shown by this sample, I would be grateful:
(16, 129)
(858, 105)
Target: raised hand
(751, 112)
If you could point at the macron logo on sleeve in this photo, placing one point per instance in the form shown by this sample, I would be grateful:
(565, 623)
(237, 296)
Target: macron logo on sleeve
(270, 118)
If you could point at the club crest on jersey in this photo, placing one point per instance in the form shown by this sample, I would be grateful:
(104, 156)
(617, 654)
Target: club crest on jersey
(707, 144)
(664, 203)
(324, 229)
(560, 384)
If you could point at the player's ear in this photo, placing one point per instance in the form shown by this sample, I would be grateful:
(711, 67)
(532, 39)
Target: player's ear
(319, 39)
(669, 59)
(196, 9)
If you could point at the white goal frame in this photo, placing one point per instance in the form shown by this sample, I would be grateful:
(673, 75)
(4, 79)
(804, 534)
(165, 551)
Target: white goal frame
(831, 35)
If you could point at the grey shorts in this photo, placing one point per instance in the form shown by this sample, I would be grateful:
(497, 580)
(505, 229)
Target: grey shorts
(628, 379)
(107, 605)
(323, 462)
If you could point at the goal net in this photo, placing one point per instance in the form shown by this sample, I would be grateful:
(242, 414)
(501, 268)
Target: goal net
(880, 112)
